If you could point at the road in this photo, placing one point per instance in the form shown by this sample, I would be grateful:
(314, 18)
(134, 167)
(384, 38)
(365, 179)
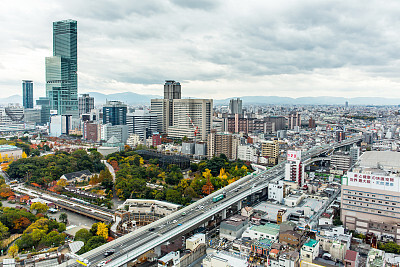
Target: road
(134, 244)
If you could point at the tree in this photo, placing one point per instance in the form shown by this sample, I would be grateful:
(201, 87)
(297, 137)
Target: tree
(83, 235)
(13, 250)
(93, 230)
(22, 223)
(3, 231)
(189, 192)
(41, 224)
(39, 207)
(5, 191)
(208, 188)
(173, 196)
(63, 217)
(93, 243)
(102, 230)
(62, 183)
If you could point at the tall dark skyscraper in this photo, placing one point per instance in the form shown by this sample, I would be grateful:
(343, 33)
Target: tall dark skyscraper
(86, 104)
(61, 69)
(172, 90)
(27, 94)
(44, 104)
(114, 112)
(235, 106)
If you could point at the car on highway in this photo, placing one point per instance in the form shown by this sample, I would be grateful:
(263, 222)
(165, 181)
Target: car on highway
(109, 252)
(152, 229)
(179, 224)
(101, 264)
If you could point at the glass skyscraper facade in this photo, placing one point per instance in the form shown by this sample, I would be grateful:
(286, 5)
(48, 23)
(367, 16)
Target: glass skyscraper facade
(27, 94)
(61, 69)
(44, 104)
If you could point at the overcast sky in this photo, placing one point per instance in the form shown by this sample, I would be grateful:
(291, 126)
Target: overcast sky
(215, 48)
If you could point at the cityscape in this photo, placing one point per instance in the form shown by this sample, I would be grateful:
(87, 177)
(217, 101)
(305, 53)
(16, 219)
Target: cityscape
(168, 177)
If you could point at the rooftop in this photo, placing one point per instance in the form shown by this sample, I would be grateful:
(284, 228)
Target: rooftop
(264, 243)
(235, 220)
(4, 148)
(311, 243)
(385, 159)
(268, 228)
(351, 255)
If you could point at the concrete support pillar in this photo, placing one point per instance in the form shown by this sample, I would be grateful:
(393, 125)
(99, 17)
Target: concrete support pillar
(157, 250)
(223, 214)
(265, 191)
(239, 205)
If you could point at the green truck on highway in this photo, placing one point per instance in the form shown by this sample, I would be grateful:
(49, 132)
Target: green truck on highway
(218, 197)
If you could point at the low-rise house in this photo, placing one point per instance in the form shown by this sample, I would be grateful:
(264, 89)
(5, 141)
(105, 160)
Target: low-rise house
(326, 219)
(284, 258)
(291, 238)
(171, 259)
(310, 250)
(247, 211)
(351, 259)
(242, 246)
(194, 241)
(233, 227)
(268, 230)
(262, 247)
(77, 177)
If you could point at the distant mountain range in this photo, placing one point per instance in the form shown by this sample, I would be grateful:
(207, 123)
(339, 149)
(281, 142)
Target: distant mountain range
(128, 98)
(11, 99)
(319, 100)
(133, 98)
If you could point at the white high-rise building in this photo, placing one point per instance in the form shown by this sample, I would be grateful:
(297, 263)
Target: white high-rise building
(247, 153)
(188, 111)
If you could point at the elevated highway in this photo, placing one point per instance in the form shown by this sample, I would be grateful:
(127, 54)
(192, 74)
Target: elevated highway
(131, 246)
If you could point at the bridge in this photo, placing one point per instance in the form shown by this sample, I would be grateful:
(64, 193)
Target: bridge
(86, 209)
(129, 247)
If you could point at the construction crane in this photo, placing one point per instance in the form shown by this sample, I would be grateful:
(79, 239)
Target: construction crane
(196, 129)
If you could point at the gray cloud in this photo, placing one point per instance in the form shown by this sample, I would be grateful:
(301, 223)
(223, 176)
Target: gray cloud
(214, 47)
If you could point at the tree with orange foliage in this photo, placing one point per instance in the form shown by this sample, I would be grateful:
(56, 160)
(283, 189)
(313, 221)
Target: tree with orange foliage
(114, 164)
(21, 223)
(5, 191)
(208, 188)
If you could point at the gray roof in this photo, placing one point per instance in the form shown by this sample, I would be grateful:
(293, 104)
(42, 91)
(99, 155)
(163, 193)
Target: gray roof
(385, 159)
(78, 174)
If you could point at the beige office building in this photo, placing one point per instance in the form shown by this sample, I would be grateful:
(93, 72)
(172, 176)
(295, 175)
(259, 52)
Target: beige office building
(222, 143)
(371, 195)
(270, 150)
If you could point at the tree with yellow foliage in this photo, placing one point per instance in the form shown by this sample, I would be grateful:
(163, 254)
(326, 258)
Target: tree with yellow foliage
(39, 207)
(13, 251)
(24, 156)
(102, 230)
(62, 182)
(183, 184)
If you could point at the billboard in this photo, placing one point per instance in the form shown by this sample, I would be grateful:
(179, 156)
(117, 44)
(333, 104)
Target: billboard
(293, 155)
(373, 181)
